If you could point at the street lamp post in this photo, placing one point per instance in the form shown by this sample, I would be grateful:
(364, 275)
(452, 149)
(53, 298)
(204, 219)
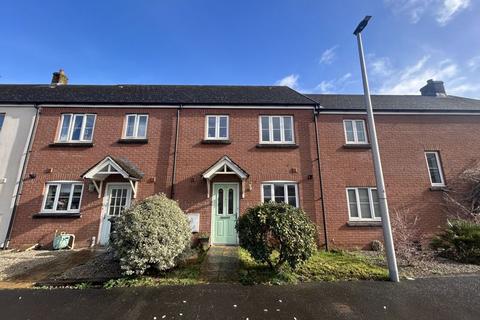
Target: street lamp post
(377, 163)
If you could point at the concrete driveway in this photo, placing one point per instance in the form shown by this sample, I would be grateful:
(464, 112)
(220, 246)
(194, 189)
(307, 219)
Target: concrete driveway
(434, 298)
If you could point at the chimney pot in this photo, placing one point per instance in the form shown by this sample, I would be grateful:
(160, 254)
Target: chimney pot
(433, 89)
(59, 78)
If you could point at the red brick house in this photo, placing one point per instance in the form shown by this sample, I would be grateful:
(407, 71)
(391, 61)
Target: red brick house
(220, 149)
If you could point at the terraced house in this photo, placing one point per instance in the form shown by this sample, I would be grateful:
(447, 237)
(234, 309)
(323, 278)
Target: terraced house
(220, 149)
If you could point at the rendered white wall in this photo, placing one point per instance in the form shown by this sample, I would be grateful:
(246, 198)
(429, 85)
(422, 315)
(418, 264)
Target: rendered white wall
(14, 137)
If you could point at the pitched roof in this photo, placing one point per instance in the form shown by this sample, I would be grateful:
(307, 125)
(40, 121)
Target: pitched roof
(152, 94)
(126, 165)
(348, 102)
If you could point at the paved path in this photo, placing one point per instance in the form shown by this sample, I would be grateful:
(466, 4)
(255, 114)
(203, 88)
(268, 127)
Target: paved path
(440, 298)
(220, 264)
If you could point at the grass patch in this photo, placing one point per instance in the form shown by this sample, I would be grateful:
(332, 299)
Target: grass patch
(322, 266)
(185, 274)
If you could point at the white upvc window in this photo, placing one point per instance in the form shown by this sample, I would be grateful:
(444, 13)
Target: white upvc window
(135, 126)
(363, 204)
(280, 191)
(355, 132)
(276, 129)
(62, 197)
(434, 168)
(216, 127)
(76, 127)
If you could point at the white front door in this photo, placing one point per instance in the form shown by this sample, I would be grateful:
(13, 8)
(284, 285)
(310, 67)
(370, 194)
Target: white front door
(117, 198)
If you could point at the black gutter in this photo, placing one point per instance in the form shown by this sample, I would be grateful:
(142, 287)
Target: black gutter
(20, 181)
(325, 231)
(174, 173)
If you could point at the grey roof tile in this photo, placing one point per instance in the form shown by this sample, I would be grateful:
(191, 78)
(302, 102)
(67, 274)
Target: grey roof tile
(152, 94)
(348, 102)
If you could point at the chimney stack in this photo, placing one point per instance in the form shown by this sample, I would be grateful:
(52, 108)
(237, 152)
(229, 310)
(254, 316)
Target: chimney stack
(59, 78)
(434, 89)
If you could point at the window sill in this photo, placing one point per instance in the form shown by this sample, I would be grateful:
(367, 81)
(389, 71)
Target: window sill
(71, 144)
(216, 141)
(438, 188)
(278, 145)
(364, 223)
(357, 146)
(133, 141)
(56, 215)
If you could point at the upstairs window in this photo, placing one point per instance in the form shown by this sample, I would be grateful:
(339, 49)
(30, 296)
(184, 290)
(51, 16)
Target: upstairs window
(355, 132)
(363, 204)
(280, 192)
(216, 128)
(2, 119)
(62, 197)
(435, 169)
(276, 129)
(76, 128)
(135, 126)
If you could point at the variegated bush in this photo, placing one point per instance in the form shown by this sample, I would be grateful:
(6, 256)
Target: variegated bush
(153, 233)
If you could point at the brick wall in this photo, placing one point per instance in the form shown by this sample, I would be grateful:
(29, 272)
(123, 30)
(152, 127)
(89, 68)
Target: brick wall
(403, 139)
(155, 159)
(68, 163)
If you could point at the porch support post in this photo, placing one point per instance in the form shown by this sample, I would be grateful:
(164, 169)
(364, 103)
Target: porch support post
(243, 188)
(208, 188)
(98, 188)
(134, 185)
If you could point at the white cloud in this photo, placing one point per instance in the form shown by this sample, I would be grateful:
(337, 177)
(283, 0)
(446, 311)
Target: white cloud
(443, 10)
(474, 63)
(328, 55)
(410, 79)
(334, 85)
(379, 66)
(449, 8)
(289, 81)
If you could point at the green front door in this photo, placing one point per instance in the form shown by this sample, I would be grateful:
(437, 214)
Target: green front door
(224, 213)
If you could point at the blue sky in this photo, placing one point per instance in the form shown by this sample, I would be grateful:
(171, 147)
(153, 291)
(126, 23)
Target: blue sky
(305, 44)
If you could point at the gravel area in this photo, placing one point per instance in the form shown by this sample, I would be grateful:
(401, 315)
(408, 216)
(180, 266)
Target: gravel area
(103, 265)
(14, 263)
(427, 264)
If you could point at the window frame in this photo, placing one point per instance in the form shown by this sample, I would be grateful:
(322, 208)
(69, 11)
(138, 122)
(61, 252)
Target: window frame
(359, 210)
(440, 170)
(270, 129)
(3, 116)
(285, 190)
(355, 131)
(58, 184)
(217, 127)
(135, 126)
(71, 126)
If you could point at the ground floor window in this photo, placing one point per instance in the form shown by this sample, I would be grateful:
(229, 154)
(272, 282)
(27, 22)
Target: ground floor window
(62, 197)
(280, 192)
(363, 204)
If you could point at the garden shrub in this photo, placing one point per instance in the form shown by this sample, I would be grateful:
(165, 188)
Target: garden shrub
(152, 233)
(277, 233)
(460, 241)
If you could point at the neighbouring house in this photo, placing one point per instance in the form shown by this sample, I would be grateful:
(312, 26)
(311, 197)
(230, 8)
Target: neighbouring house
(220, 149)
(16, 127)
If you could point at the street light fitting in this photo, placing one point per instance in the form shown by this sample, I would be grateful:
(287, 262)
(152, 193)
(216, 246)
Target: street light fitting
(362, 25)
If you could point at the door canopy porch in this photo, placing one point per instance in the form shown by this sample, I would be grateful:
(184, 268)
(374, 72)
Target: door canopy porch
(113, 166)
(225, 166)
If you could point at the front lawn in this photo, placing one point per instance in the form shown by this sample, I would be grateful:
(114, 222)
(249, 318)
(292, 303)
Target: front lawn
(322, 266)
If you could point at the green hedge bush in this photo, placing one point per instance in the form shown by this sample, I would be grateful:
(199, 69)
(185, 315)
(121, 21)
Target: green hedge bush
(460, 241)
(152, 233)
(277, 233)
